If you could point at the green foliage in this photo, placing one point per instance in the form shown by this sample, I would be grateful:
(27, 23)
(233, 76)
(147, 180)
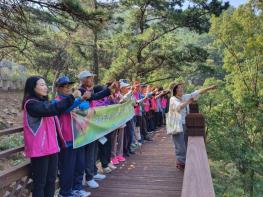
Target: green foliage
(234, 112)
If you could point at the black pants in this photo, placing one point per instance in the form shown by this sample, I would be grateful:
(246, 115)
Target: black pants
(67, 163)
(80, 166)
(126, 140)
(91, 158)
(104, 151)
(159, 118)
(44, 173)
(149, 120)
(143, 127)
(153, 117)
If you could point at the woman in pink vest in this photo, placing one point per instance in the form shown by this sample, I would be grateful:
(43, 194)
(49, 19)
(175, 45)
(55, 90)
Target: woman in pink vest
(42, 134)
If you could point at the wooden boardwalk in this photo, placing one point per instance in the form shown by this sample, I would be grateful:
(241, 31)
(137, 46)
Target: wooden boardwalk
(150, 174)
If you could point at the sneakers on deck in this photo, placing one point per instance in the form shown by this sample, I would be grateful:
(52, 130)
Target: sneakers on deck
(92, 184)
(107, 170)
(115, 161)
(121, 158)
(99, 176)
(111, 166)
(81, 193)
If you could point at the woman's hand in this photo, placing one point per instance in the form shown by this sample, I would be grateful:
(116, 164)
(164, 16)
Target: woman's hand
(114, 87)
(86, 95)
(76, 93)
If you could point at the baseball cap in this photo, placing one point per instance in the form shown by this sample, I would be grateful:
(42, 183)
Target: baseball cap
(63, 81)
(124, 80)
(123, 85)
(143, 85)
(85, 73)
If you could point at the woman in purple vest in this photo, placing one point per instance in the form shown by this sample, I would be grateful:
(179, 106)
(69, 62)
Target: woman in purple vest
(42, 134)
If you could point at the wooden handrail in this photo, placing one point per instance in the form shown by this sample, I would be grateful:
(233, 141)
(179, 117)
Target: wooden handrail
(197, 175)
(11, 131)
(10, 175)
(10, 151)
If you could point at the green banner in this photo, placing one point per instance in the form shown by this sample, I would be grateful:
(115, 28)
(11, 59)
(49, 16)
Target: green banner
(97, 122)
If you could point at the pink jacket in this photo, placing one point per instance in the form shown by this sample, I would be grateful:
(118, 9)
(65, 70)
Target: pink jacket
(40, 135)
(66, 122)
(154, 104)
(137, 107)
(146, 105)
(164, 102)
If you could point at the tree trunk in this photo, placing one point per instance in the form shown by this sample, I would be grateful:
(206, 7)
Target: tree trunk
(248, 183)
(95, 49)
(96, 57)
(53, 93)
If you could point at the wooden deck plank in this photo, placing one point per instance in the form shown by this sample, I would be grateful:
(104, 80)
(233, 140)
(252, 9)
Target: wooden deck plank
(150, 174)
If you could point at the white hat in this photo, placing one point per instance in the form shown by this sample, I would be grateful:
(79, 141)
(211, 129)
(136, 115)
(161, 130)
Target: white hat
(123, 85)
(85, 74)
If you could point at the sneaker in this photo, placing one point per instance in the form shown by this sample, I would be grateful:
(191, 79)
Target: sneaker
(107, 170)
(121, 158)
(111, 166)
(115, 161)
(92, 184)
(180, 165)
(134, 146)
(99, 176)
(81, 193)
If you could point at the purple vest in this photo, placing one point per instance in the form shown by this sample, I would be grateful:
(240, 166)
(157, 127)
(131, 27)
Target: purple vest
(40, 134)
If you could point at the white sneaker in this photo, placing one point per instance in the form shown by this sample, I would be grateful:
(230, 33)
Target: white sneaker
(99, 176)
(92, 184)
(107, 170)
(111, 166)
(81, 193)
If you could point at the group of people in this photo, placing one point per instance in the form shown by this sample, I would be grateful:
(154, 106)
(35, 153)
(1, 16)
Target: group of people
(49, 126)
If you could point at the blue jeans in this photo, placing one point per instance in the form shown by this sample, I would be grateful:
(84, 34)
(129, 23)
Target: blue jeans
(180, 146)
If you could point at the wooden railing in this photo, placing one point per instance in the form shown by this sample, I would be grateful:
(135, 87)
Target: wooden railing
(197, 176)
(14, 181)
(197, 182)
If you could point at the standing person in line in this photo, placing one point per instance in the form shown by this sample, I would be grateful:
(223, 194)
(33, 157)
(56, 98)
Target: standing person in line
(67, 157)
(42, 134)
(104, 150)
(90, 150)
(179, 108)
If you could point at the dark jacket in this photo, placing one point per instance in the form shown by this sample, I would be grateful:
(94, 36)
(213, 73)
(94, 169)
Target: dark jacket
(96, 93)
(38, 107)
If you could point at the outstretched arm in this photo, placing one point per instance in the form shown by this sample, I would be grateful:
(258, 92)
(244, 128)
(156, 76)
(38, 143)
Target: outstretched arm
(204, 90)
